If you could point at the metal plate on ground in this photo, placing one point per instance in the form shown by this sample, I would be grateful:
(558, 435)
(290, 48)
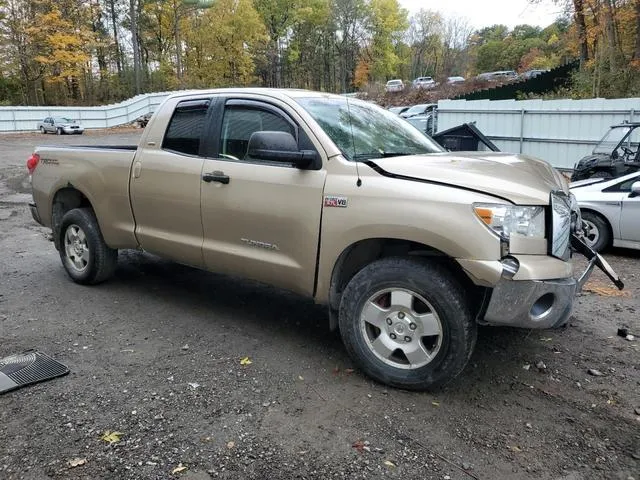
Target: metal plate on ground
(17, 371)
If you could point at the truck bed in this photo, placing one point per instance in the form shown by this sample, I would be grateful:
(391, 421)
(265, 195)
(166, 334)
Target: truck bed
(100, 173)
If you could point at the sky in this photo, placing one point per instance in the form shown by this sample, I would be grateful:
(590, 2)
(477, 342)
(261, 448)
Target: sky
(483, 13)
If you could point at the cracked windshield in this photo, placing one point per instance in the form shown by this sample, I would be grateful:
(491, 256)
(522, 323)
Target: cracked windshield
(363, 131)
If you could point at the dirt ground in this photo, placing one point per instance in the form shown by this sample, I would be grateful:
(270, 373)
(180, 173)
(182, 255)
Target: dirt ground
(155, 354)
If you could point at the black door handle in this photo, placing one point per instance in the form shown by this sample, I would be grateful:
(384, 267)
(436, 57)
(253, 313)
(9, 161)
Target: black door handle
(216, 177)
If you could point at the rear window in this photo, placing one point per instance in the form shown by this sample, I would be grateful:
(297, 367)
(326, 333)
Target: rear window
(185, 128)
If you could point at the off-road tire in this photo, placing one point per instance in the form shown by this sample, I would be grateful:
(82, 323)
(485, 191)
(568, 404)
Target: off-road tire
(604, 232)
(102, 260)
(436, 284)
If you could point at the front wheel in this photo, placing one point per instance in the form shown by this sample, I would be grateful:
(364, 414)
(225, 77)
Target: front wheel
(42, 130)
(406, 323)
(59, 131)
(85, 256)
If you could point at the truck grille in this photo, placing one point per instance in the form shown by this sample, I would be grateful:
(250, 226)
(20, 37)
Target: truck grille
(561, 221)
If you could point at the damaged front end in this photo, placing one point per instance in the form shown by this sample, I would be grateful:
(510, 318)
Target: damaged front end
(577, 229)
(546, 303)
(595, 260)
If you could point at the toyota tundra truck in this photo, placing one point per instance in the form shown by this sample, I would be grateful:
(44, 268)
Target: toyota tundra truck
(409, 246)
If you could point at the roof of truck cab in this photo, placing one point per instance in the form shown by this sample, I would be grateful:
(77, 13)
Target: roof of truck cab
(286, 95)
(292, 93)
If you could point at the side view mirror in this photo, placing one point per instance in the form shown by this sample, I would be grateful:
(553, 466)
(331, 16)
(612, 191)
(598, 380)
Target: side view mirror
(279, 147)
(635, 190)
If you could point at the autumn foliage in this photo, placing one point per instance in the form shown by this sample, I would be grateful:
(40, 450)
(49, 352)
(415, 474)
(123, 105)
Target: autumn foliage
(57, 52)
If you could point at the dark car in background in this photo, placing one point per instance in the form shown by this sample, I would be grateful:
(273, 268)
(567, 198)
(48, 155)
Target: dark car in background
(143, 119)
(529, 74)
(498, 76)
(617, 154)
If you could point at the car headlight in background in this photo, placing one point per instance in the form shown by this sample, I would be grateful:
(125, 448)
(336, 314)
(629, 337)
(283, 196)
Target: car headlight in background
(508, 220)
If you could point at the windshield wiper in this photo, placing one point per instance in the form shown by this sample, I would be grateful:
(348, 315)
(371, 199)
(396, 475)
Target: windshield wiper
(369, 156)
(397, 154)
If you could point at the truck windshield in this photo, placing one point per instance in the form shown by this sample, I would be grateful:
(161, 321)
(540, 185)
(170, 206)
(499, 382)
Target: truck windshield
(363, 131)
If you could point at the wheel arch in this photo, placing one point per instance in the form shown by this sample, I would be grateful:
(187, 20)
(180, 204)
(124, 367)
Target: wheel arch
(364, 252)
(65, 199)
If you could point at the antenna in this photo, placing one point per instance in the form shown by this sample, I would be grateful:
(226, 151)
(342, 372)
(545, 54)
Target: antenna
(353, 144)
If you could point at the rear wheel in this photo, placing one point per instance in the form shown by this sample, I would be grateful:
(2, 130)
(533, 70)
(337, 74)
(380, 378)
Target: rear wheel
(597, 233)
(406, 323)
(84, 254)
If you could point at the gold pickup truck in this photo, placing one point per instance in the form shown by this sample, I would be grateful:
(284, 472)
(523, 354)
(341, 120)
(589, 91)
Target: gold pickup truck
(409, 246)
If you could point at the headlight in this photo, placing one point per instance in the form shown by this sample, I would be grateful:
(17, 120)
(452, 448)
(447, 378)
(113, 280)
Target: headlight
(508, 220)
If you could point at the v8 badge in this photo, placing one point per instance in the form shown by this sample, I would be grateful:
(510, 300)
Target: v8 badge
(335, 201)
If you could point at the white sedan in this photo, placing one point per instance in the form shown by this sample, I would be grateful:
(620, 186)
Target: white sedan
(394, 86)
(611, 210)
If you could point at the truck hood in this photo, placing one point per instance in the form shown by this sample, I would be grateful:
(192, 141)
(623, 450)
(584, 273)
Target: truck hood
(520, 179)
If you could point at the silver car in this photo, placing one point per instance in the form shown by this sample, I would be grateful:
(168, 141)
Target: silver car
(394, 86)
(60, 125)
(424, 82)
(610, 210)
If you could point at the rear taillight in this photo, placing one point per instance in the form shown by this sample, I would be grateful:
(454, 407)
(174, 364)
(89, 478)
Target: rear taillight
(32, 163)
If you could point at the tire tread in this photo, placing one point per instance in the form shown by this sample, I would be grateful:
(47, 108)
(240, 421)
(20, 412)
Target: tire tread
(449, 295)
(104, 259)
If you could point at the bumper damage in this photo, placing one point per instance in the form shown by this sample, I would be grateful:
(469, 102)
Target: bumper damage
(544, 303)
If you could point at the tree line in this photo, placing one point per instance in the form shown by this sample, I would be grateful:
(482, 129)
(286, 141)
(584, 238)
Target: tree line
(60, 52)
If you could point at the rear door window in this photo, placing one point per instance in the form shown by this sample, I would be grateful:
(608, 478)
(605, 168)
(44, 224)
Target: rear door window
(186, 126)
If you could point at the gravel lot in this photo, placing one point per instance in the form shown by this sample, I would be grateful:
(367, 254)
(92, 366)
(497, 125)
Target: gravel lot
(156, 355)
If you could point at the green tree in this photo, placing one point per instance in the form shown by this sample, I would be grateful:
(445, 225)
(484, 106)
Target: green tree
(387, 24)
(424, 37)
(278, 17)
(221, 43)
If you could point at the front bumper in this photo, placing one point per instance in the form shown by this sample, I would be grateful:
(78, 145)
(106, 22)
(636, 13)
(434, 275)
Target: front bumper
(71, 131)
(542, 303)
(531, 304)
